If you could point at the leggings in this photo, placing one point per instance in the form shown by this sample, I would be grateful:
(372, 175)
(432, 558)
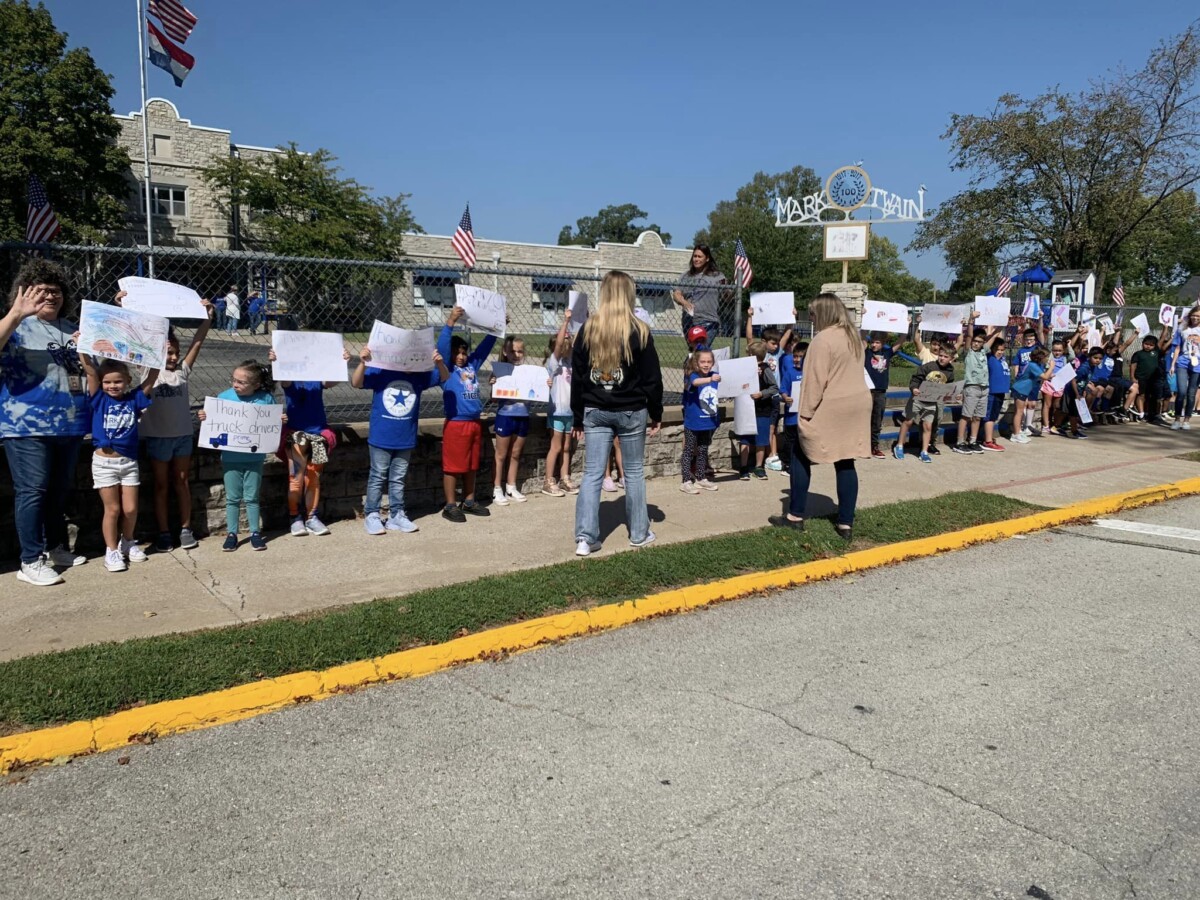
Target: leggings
(1186, 385)
(694, 461)
(243, 480)
(801, 477)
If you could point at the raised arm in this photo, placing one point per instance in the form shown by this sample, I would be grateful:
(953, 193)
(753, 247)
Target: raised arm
(27, 303)
(359, 376)
(147, 386)
(193, 352)
(90, 370)
(750, 325)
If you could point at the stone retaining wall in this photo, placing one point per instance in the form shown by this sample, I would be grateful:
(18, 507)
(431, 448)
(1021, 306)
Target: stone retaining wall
(342, 485)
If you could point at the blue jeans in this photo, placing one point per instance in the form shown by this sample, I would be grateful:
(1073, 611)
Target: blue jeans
(388, 469)
(1186, 385)
(600, 426)
(847, 484)
(43, 474)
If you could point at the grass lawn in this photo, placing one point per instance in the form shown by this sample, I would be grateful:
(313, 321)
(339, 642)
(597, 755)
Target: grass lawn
(1194, 456)
(92, 681)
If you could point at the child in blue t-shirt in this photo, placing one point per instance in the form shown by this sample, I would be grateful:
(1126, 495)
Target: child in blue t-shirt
(115, 408)
(700, 409)
(878, 361)
(999, 384)
(395, 410)
(462, 433)
(791, 373)
(1025, 407)
(305, 447)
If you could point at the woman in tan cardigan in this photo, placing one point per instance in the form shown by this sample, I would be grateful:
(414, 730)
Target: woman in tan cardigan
(835, 413)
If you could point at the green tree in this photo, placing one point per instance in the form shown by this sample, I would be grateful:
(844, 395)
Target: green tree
(56, 122)
(1071, 180)
(884, 273)
(783, 259)
(296, 204)
(613, 224)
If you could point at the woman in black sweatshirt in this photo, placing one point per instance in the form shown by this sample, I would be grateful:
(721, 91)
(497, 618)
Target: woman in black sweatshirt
(616, 391)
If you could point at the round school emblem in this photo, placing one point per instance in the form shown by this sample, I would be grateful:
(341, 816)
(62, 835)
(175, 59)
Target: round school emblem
(848, 188)
(399, 399)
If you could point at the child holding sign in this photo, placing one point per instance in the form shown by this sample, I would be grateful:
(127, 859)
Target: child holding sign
(558, 367)
(251, 383)
(512, 427)
(307, 442)
(114, 410)
(764, 401)
(699, 422)
(462, 435)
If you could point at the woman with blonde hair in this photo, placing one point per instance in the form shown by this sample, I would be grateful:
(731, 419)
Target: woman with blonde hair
(616, 391)
(834, 415)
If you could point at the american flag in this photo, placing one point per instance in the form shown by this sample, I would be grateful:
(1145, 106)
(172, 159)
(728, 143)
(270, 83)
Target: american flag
(1005, 285)
(1119, 293)
(41, 225)
(741, 265)
(463, 241)
(177, 20)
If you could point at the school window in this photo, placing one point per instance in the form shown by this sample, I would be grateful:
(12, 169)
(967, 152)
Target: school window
(166, 201)
(551, 296)
(654, 298)
(434, 287)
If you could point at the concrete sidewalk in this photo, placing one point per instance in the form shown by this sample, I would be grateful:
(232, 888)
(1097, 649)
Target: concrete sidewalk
(206, 588)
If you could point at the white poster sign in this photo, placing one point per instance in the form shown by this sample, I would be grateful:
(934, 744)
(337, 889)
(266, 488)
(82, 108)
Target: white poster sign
(720, 353)
(401, 350)
(992, 311)
(1085, 414)
(1166, 314)
(241, 427)
(641, 313)
(1094, 337)
(1141, 323)
(847, 241)
(308, 356)
(774, 308)
(1106, 325)
(1033, 307)
(745, 423)
(795, 407)
(1063, 377)
(1060, 317)
(578, 304)
(486, 310)
(943, 318)
(130, 336)
(738, 376)
(162, 298)
(887, 317)
(526, 383)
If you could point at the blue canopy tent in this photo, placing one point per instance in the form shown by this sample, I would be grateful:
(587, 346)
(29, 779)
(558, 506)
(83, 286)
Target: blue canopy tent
(1037, 275)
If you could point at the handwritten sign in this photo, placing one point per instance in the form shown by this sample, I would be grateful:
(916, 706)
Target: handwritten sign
(1033, 307)
(401, 350)
(1063, 377)
(1166, 315)
(720, 353)
(1094, 337)
(943, 318)
(1085, 414)
(774, 308)
(162, 298)
(526, 383)
(1106, 324)
(578, 304)
(124, 334)
(992, 311)
(888, 317)
(1141, 323)
(240, 427)
(308, 356)
(738, 376)
(1060, 317)
(486, 310)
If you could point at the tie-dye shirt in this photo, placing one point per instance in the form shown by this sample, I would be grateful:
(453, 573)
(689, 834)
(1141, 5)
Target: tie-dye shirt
(37, 366)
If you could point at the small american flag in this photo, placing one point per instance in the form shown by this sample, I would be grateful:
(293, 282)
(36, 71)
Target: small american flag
(1005, 285)
(463, 241)
(741, 265)
(41, 225)
(1119, 293)
(177, 20)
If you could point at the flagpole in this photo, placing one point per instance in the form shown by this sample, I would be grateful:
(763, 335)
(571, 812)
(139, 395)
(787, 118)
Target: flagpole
(145, 133)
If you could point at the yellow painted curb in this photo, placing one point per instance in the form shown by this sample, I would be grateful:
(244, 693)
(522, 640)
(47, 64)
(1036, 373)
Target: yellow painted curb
(157, 720)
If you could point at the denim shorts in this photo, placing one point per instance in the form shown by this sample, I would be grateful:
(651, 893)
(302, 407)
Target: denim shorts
(165, 449)
(509, 426)
(561, 423)
(762, 437)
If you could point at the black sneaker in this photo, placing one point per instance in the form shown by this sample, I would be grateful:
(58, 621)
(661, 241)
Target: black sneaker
(164, 544)
(961, 448)
(257, 542)
(760, 473)
(975, 447)
(934, 450)
(453, 513)
(743, 476)
(230, 543)
(474, 509)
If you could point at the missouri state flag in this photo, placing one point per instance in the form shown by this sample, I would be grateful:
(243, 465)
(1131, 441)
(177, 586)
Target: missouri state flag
(167, 55)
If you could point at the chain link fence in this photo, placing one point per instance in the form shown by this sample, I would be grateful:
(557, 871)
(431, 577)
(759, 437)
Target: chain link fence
(347, 296)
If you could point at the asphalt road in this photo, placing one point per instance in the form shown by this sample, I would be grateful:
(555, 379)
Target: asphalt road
(1013, 720)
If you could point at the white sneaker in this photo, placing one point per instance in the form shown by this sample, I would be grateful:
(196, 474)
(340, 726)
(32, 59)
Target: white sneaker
(1187, 425)
(62, 558)
(1178, 425)
(583, 548)
(298, 529)
(644, 542)
(39, 573)
(498, 497)
(1025, 432)
(514, 494)
(707, 485)
(131, 551)
(313, 525)
(114, 561)
(689, 487)
(1021, 438)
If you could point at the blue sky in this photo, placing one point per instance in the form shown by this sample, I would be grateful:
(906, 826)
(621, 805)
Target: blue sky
(539, 113)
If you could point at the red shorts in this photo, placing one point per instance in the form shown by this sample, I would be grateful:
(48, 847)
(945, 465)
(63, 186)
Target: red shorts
(461, 445)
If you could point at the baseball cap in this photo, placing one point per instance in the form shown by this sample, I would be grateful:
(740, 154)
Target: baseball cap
(696, 333)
